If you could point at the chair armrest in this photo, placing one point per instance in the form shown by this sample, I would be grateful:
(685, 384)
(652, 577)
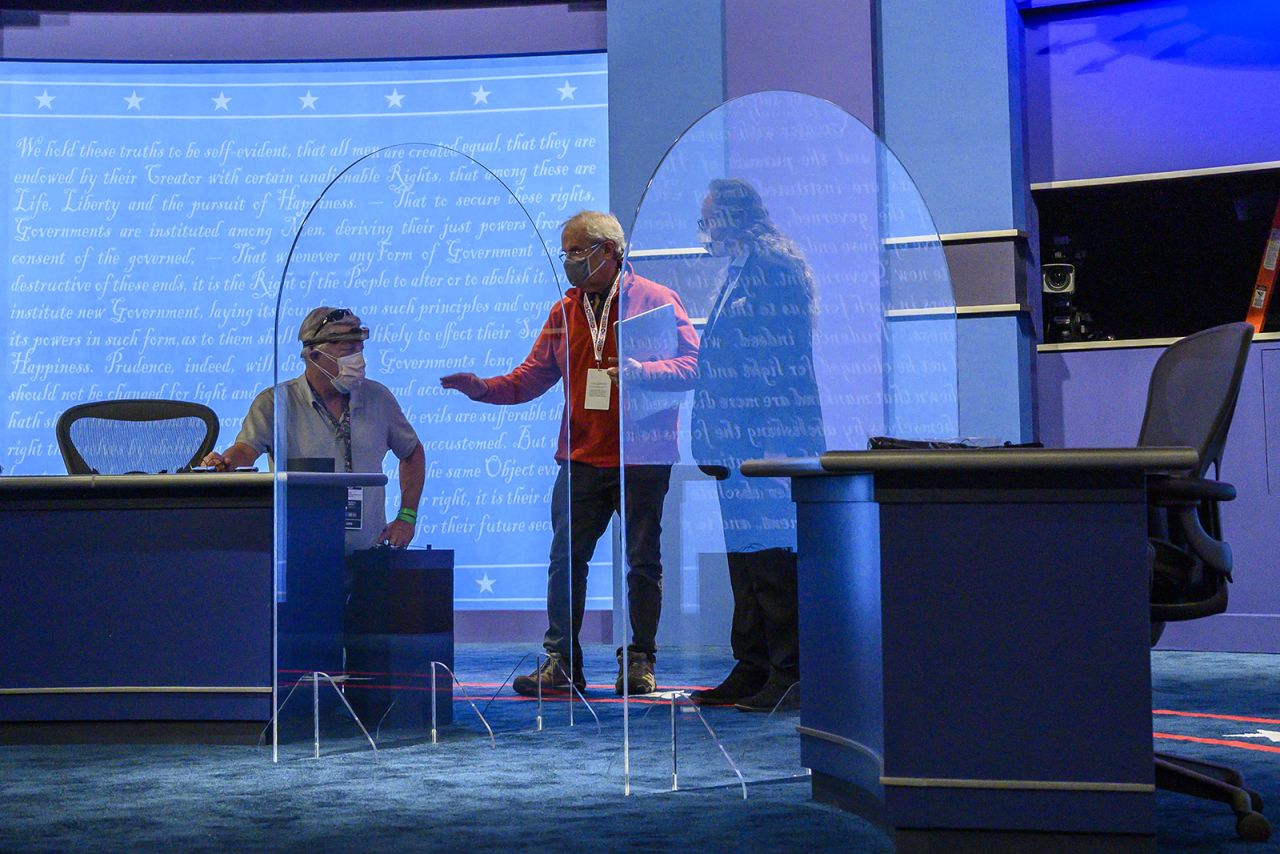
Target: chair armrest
(1215, 553)
(1168, 490)
(1183, 497)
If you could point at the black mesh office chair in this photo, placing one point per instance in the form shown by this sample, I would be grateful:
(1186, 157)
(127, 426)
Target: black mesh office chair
(135, 436)
(1190, 401)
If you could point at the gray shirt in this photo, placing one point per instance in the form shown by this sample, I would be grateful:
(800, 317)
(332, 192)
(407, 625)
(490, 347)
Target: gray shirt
(378, 425)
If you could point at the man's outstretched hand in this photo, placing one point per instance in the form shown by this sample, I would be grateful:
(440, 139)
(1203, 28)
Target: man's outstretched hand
(469, 384)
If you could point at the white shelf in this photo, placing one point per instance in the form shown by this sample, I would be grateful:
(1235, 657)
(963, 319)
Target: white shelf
(910, 239)
(959, 310)
(1157, 176)
(1132, 343)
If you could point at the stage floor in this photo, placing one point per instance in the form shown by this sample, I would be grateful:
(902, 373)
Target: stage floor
(561, 789)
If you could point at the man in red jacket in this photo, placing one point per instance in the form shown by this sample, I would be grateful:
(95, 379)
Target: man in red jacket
(578, 347)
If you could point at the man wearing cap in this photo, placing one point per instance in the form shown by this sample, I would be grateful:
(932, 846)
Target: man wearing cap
(335, 413)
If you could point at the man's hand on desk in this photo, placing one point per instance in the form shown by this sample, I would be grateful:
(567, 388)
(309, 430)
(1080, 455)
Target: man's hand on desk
(239, 455)
(397, 534)
(216, 461)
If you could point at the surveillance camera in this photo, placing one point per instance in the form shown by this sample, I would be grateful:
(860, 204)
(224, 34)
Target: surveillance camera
(1058, 279)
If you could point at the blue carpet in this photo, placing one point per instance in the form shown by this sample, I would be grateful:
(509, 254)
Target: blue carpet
(1224, 687)
(561, 789)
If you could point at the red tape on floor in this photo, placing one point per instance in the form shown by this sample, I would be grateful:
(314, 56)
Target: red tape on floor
(1222, 742)
(1240, 718)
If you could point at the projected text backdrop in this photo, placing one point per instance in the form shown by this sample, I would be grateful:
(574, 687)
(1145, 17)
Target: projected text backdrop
(151, 209)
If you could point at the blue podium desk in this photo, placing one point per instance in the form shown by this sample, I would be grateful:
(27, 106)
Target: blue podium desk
(974, 631)
(399, 619)
(148, 598)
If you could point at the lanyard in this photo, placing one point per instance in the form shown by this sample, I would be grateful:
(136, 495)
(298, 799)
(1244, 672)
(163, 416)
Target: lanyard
(342, 427)
(600, 328)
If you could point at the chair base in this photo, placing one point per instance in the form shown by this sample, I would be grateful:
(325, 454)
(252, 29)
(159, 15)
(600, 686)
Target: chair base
(1217, 783)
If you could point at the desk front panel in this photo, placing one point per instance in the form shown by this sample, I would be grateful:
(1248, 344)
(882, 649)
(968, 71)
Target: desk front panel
(1015, 657)
(975, 642)
(135, 612)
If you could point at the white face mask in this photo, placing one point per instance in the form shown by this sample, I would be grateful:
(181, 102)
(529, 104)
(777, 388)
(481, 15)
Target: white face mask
(717, 248)
(350, 371)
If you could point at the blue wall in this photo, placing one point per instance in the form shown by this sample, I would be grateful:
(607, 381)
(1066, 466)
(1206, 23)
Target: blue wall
(1160, 85)
(672, 61)
(666, 63)
(995, 355)
(306, 35)
(951, 108)
(948, 110)
(948, 103)
(828, 51)
(1096, 398)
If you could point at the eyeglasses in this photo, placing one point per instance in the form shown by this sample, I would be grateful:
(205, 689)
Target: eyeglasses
(579, 254)
(719, 221)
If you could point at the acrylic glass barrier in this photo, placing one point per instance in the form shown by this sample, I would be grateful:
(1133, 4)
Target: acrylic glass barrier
(454, 283)
(793, 242)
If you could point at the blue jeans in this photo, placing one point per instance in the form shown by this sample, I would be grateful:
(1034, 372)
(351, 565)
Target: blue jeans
(584, 500)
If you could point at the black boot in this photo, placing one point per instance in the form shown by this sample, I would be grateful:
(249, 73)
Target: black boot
(774, 582)
(746, 635)
(743, 681)
(780, 693)
(747, 631)
(774, 585)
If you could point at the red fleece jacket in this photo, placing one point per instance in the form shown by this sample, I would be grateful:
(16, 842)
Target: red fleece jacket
(594, 432)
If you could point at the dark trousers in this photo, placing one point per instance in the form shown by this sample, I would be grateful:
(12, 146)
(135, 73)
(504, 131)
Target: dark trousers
(765, 632)
(584, 500)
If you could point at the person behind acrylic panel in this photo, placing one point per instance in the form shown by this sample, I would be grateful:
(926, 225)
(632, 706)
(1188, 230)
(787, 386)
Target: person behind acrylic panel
(589, 485)
(757, 348)
(335, 413)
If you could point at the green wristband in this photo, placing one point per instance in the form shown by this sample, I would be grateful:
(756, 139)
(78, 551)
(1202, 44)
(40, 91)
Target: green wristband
(407, 514)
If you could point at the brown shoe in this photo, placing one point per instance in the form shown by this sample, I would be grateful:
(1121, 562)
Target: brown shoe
(639, 673)
(554, 677)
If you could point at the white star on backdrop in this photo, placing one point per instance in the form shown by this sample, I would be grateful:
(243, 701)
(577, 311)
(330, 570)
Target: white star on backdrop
(45, 101)
(1269, 734)
(308, 101)
(486, 583)
(481, 96)
(394, 99)
(134, 100)
(220, 102)
(566, 91)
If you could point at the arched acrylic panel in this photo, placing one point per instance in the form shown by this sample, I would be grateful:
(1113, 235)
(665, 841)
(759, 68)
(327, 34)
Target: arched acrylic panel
(419, 262)
(797, 246)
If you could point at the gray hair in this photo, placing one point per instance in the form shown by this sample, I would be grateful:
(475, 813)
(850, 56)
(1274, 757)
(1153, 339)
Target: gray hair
(599, 227)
